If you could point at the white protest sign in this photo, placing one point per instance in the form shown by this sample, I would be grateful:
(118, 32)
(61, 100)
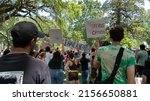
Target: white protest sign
(55, 36)
(95, 28)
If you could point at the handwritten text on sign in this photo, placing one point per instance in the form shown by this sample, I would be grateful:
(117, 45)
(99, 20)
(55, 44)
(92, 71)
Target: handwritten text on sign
(55, 36)
(95, 28)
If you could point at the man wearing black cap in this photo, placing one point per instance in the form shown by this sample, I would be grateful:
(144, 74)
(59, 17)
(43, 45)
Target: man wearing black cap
(18, 66)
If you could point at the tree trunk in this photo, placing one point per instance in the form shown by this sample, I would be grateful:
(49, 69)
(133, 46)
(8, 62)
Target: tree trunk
(118, 12)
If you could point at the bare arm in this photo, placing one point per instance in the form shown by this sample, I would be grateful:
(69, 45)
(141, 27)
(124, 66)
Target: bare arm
(66, 66)
(63, 50)
(96, 64)
(144, 79)
(131, 74)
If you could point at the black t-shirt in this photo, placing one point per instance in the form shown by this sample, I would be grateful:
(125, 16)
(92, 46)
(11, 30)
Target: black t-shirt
(148, 54)
(146, 72)
(22, 68)
(84, 64)
(58, 65)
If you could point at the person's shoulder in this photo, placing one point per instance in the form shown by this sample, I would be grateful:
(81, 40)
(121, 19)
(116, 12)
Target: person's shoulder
(103, 48)
(128, 51)
(38, 62)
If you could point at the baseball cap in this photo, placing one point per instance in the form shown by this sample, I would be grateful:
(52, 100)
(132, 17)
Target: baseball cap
(25, 30)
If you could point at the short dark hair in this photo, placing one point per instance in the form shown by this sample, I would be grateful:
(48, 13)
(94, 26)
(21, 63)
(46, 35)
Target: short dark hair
(23, 32)
(93, 50)
(47, 49)
(116, 33)
(71, 55)
(142, 47)
(84, 55)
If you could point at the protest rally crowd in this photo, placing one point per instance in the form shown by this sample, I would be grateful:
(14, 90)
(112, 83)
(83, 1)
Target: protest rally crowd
(108, 63)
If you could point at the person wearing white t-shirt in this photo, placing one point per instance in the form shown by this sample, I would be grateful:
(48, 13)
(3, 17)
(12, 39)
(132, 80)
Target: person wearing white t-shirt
(48, 55)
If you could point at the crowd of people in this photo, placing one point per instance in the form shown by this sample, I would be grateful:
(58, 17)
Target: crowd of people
(22, 64)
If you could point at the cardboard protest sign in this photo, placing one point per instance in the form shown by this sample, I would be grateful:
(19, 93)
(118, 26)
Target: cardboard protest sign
(55, 36)
(80, 46)
(95, 28)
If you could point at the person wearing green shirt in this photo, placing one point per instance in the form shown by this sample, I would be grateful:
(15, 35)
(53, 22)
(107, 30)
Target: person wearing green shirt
(106, 56)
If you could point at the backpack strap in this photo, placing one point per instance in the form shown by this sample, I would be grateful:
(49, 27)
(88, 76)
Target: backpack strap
(116, 67)
(117, 63)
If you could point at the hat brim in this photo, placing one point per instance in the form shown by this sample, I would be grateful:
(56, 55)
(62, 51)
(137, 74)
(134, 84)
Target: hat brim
(40, 34)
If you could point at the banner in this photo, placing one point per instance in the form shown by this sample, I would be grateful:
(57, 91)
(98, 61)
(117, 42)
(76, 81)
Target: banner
(95, 28)
(55, 36)
(80, 46)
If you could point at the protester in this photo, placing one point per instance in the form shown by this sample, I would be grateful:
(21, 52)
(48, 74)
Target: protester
(40, 51)
(93, 73)
(72, 68)
(141, 57)
(84, 68)
(32, 53)
(106, 55)
(42, 56)
(48, 55)
(18, 66)
(146, 73)
(56, 68)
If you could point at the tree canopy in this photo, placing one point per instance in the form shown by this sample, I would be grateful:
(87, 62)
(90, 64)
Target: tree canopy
(70, 16)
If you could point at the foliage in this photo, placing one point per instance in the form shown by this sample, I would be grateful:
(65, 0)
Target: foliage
(5, 32)
(71, 16)
(130, 14)
(90, 10)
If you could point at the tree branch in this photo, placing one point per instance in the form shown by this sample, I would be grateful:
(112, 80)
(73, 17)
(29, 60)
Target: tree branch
(36, 22)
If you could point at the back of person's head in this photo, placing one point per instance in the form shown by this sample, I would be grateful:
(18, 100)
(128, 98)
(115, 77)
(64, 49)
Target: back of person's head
(83, 55)
(93, 50)
(142, 47)
(71, 55)
(47, 49)
(116, 33)
(23, 32)
(41, 50)
(56, 55)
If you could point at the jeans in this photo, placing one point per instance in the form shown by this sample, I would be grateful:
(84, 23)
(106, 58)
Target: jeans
(85, 77)
(57, 76)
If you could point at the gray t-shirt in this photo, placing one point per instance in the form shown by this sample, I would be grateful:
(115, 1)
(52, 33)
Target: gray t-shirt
(22, 68)
(141, 56)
